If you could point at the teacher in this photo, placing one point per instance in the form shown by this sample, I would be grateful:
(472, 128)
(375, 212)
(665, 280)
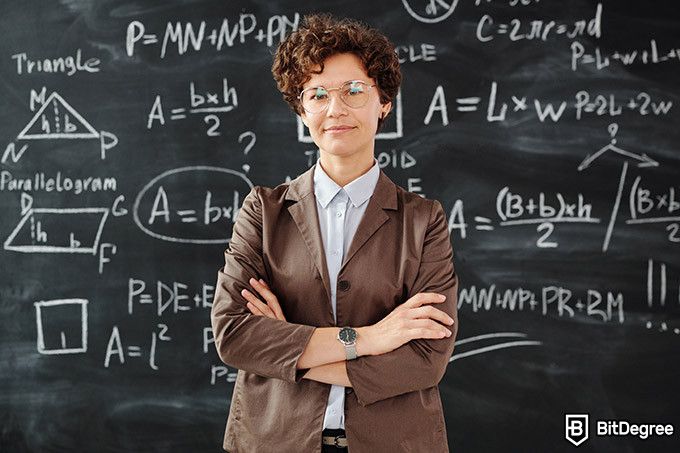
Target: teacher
(337, 300)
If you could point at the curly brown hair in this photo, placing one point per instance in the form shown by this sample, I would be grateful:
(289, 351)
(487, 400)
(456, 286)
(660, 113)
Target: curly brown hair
(321, 36)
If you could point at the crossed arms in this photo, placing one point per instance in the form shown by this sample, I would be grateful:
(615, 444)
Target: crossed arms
(406, 351)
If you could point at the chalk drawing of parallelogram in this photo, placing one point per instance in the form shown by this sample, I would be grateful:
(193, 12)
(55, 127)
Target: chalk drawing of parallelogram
(59, 322)
(57, 119)
(58, 230)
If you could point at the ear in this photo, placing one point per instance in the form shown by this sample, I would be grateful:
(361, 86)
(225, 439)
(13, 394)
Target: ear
(303, 117)
(385, 110)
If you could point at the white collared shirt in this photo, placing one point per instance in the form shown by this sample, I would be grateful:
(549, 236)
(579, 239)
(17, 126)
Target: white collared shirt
(340, 211)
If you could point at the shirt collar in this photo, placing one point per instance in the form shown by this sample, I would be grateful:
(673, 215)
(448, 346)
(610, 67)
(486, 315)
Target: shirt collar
(359, 190)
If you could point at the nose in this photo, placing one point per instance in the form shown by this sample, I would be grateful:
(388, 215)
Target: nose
(336, 106)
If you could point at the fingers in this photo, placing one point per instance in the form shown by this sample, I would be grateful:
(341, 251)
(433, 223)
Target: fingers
(264, 290)
(424, 298)
(271, 299)
(253, 309)
(258, 304)
(428, 311)
(427, 328)
(271, 308)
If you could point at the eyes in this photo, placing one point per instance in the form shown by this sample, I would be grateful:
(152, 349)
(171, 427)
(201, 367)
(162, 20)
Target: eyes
(318, 94)
(354, 94)
(351, 88)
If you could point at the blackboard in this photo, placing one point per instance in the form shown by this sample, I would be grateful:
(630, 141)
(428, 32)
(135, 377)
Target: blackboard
(132, 131)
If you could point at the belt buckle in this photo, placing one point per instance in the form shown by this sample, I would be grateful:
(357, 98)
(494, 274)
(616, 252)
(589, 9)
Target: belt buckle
(335, 440)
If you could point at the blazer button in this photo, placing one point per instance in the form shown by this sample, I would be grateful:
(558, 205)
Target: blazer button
(343, 285)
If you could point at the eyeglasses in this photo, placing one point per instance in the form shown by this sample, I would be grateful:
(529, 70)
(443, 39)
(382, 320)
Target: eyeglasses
(353, 93)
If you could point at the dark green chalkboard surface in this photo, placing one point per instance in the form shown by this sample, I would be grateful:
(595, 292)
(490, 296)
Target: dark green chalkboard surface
(131, 131)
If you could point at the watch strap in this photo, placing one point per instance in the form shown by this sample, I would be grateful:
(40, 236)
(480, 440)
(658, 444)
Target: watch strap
(351, 351)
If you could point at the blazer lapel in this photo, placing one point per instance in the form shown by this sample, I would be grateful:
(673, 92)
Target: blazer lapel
(304, 213)
(384, 197)
(306, 217)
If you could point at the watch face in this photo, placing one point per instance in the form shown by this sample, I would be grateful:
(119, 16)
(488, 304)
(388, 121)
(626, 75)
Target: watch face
(348, 335)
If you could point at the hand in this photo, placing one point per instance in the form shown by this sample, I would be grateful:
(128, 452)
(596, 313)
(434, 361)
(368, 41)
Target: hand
(270, 309)
(410, 320)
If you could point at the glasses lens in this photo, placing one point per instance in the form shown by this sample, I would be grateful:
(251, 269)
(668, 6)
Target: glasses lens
(314, 99)
(354, 93)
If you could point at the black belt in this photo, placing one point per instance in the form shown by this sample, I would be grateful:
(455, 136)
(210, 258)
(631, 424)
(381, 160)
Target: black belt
(334, 437)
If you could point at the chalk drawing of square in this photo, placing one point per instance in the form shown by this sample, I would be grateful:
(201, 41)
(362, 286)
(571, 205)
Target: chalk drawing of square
(397, 132)
(56, 308)
(55, 222)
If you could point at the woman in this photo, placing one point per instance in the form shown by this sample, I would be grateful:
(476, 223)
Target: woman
(326, 303)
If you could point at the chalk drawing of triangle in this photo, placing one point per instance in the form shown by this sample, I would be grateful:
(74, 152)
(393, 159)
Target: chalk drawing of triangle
(57, 119)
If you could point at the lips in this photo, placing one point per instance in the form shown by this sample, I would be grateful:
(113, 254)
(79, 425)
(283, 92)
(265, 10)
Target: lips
(338, 128)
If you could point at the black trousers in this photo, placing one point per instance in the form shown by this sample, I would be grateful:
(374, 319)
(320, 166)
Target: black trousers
(333, 448)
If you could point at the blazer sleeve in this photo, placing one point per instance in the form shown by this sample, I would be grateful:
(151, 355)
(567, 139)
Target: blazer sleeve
(420, 363)
(258, 344)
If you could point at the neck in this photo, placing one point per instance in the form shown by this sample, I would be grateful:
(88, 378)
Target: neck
(344, 170)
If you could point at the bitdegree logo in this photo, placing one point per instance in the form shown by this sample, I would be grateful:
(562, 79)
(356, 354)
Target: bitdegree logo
(623, 428)
(576, 428)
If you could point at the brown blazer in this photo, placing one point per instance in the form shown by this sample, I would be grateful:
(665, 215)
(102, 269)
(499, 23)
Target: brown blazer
(401, 247)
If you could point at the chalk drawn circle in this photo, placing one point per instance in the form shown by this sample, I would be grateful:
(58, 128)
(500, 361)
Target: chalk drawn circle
(150, 184)
(430, 20)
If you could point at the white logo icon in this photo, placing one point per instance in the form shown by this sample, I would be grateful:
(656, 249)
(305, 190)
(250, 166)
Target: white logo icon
(576, 428)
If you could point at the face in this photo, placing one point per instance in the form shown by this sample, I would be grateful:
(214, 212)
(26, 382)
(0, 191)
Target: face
(342, 130)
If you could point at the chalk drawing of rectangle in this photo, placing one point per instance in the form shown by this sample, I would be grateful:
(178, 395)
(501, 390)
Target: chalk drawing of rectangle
(59, 214)
(303, 137)
(40, 310)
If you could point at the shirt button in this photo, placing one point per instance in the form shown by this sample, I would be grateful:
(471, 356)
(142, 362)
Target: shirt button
(343, 285)
(339, 214)
(334, 252)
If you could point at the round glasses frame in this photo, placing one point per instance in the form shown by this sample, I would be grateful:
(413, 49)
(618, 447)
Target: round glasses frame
(328, 90)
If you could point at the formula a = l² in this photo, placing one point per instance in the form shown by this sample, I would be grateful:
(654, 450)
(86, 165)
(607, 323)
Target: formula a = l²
(56, 119)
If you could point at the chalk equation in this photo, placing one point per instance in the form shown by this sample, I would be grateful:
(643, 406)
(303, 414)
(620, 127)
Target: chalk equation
(172, 297)
(208, 104)
(552, 300)
(648, 206)
(182, 37)
(653, 54)
(502, 107)
(517, 29)
(167, 208)
(116, 350)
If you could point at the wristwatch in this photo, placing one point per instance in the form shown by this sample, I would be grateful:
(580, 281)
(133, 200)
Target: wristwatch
(348, 337)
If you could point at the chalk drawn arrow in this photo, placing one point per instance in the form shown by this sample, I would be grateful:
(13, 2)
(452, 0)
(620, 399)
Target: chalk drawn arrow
(643, 160)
